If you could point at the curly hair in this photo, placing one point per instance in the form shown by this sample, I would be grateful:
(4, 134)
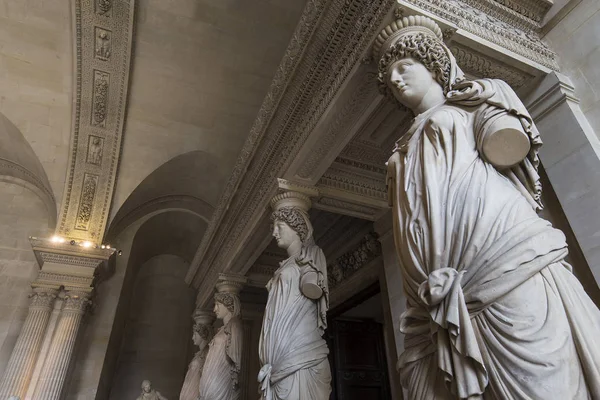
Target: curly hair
(229, 300)
(424, 49)
(293, 217)
(204, 331)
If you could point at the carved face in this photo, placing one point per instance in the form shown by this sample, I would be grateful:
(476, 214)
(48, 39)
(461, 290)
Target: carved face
(284, 234)
(146, 386)
(220, 310)
(410, 81)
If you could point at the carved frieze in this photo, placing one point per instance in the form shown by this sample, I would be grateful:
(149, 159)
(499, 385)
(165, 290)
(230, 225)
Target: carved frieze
(347, 264)
(100, 98)
(478, 65)
(103, 43)
(94, 153)
(103, 7)
(86, 203)
(103, 35)
(471, 16)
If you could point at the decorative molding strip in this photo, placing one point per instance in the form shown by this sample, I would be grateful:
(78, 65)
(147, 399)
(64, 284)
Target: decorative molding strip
(474, 20)
(103, 39)
(481, 66)
(344, 266)
(339, 179)
(365, 92)
(336, 205)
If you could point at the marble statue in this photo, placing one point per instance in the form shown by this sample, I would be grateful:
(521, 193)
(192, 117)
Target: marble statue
(148, 393)
(493, 309)
(292, 352)
(191, 385)
(220, 376)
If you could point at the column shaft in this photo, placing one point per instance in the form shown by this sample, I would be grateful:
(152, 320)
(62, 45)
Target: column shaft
(56, 366)
(25, 353)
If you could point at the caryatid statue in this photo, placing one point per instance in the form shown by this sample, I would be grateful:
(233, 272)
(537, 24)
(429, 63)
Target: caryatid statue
(201, 336)
(494, 311)
(220, 375)
(293, 353)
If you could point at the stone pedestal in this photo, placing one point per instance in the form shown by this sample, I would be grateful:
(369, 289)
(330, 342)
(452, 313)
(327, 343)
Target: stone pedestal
(56, 365)
(24, 356)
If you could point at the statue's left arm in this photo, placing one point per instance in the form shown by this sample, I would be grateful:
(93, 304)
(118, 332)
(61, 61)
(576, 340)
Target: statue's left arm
(235, 335)
(507, 138)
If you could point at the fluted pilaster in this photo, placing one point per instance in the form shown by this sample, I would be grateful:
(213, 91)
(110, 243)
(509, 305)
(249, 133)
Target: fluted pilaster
(24, 356)
(56, 366)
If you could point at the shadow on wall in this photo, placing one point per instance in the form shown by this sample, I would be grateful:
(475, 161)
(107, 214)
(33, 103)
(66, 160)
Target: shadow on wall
(20, 165)
(151, 338)
(156, 340)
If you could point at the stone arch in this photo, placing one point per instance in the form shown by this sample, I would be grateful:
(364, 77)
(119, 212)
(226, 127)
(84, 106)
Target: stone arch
(20, 165)
(185, 183)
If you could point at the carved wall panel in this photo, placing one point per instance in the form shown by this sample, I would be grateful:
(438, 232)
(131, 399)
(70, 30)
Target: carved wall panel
(103, 35)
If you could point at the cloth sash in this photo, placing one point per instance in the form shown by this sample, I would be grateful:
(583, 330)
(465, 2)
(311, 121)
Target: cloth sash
(440, 320)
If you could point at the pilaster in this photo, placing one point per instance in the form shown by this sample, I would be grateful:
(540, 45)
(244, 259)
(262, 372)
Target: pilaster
(571, 158)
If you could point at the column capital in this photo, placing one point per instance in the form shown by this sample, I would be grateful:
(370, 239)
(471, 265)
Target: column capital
(230, 283)
(42, 297)
(69, 264)
(77, 301)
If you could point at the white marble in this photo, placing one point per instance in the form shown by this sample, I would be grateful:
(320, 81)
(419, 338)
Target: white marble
(220, 377)
(148, 393)
(201, 336)
(292, 352)
(493, 309)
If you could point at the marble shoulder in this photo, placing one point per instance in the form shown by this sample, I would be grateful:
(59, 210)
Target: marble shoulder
(446, 118)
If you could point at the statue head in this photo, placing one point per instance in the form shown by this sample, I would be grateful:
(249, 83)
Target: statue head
(202, 334)
(227, 304)
(289, 225)
(146, 386)
(413, 60)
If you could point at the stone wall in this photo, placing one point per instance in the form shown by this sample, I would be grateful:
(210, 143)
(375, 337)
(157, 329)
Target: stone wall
(156, 342)
(36, 79)
(22, 214)
(576, 40)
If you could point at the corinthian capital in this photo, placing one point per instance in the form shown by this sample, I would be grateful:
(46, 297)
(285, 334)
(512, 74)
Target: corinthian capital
(42, 298)
(76, 301)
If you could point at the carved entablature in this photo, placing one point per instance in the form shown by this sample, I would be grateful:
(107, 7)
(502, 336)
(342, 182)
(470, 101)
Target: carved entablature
(103, 37)
(68, 264)
(347, 264)
(514, 27)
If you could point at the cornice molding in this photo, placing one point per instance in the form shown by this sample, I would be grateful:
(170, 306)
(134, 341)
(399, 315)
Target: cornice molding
(103, 40)
(471, 16)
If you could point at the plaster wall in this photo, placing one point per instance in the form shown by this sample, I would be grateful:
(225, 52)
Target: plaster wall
(576, 40)
(200, 72)
(36, 79)
(157, 333)
(22, 214)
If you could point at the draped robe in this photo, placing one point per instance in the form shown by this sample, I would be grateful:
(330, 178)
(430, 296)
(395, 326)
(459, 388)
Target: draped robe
(493, 310)
(219, 379)
(292, 351)
(191, 383)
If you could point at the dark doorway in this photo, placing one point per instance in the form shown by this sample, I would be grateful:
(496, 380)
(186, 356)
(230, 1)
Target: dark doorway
(357, 349)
